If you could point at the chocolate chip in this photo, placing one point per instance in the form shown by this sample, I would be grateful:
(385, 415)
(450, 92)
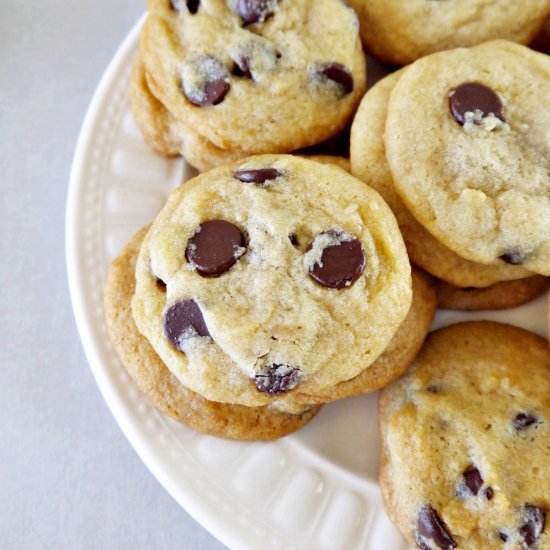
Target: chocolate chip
(338, 73)
(215, 247)
(489, 493)
(256, 11)
(473, 479)
(184, 320)
(242, 67)
(471, 97)
(503, 536)
(514, 257)
(534, 521)
(160, 284)
(293, 240)
(524, 420)
(192, 5)
(277, 379)
(205, 81)
(341, 263)
(260, 175)
(429, 527)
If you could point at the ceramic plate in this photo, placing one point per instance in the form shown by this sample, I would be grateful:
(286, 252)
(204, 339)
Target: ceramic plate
(316, 489)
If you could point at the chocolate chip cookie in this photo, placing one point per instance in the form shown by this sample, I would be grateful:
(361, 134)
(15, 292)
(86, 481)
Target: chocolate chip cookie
(467, 143)
(162, 388)
(270, 275)
(465, 456)
(402, 32)
(368, 160)
(253, 76)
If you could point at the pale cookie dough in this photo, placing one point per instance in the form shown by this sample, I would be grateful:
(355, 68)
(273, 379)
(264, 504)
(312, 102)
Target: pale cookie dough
(468, 143)
(313, 280)
(368, 160)
(290, 79)
(465, 456)
(162, 388)
(400, 352)
(402, 32)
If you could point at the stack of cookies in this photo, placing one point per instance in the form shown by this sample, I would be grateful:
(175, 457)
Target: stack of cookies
(272, 285)
(457, 144)
(219, 80)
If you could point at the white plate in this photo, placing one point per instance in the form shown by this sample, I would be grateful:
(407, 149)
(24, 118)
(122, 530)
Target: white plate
(316, 489)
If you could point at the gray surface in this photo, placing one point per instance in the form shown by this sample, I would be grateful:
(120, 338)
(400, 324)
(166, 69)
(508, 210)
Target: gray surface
(68, 477)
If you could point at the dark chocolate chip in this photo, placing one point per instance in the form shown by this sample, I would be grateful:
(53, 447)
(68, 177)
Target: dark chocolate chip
(473, 479)
(212, 77)
(503, 536)
(489, 493)
(524, 420)
(429, 527)
(215, 247)
(341, 264)
(192, 5)
(160, 284)
(514, 257)
(471, 97)
(293, 240)
(277, 379)
(184, 320)
(242, 67)
(534, 521)
(336, 72)
(256, 11)
(260, 175)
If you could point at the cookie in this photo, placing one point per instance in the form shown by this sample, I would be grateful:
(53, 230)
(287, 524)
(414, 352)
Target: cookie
(465, 457)
(401, 32)
(281, 273)
(399, 353)
(467, 143)
(368, 160)
(503, 295)
(162, 388)
(256, 76)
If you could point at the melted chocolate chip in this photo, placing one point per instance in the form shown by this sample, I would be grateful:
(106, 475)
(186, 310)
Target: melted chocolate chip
(192, 5)
(207, 83)
(242, 67)
(489, 493)
(471, 97)
(184, 320)
(429, 527)
(514, 257)
(534, 521)
(524, 420)
(256, 11)
(215, 247)
(340, 264)
(338, 73)
(473, 479)
(277, 379)
(260, 175)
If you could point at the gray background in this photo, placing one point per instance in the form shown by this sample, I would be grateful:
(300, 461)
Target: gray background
(68, 476)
